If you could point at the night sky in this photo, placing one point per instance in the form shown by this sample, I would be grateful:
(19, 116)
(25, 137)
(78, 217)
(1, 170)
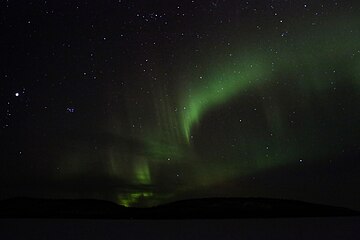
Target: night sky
(146, 102)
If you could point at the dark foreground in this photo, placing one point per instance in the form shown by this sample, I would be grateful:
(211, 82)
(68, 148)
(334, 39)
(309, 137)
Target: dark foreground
(209, 208)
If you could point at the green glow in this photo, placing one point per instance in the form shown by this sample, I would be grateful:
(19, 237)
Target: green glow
(309, 60)
(309, 67)
(142, 172)
(129, 200)
(219, 89)
(304, 73)
(161, 151)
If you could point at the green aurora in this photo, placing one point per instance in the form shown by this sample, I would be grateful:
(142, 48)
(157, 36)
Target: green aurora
(312, 56)
(307, 68)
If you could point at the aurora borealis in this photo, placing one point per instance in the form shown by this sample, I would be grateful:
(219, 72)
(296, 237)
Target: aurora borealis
(146, 102)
